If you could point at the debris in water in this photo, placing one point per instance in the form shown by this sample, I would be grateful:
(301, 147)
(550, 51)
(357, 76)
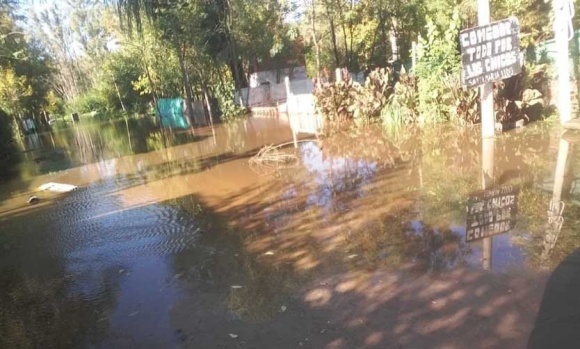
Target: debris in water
(269, 253)
(33, 200)
(301, 344)
(352, 256)
(58, 187)
(121, 271)
(283, 308)
(233, 335)
(236, 287)
(133, 314)
(270, 158)
(323, 331)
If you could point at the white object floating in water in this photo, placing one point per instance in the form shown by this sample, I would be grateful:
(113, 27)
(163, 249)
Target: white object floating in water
(33, 200)
(236, 286)
(269, 253)
(58, 187)
(233, 335)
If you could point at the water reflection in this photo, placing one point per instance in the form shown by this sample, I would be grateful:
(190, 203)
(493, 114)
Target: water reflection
(92, 141)
(556, 205)
(332, 175)
(367, 226)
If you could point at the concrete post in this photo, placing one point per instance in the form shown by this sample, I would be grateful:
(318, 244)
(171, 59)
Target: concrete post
(563, 17)
(338, 74)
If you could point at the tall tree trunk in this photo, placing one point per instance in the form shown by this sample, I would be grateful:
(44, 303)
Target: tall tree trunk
(315, 39)
(344, 36)
(186, 86)
(151, 82)
(333, 39)
(119, 95)
(233, 50)
(207, 103)
(380, 15)
(351, 33)
(393, 39)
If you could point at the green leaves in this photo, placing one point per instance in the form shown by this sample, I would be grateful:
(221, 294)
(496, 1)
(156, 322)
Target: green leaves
(438, 57)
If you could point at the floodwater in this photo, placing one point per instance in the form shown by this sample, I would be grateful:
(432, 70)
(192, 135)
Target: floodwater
(358, 240)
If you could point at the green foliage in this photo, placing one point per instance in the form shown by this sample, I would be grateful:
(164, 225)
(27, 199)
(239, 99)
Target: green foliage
(12, 89)
(334, 100)
(7, 147)
(438, 56)
(224, 95)
(54, 104)
(462, 103)
(534, 17)
(402, 107)
(373, 96)
(90, 102)
(379, 98)
(359, 35)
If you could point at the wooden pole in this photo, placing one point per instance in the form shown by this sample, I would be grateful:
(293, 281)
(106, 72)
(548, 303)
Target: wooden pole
(487, 182)
(486, 91)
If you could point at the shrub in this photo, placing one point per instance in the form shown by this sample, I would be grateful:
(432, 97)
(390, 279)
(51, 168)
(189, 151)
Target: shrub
(462, 103)
(334, 100)
(373, 97)
(348, 100)
(438, 56)
(90, 102)
(402, 106)
(7, 147)
(228, 109)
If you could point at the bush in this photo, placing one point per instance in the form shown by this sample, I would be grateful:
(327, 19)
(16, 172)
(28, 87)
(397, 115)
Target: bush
(335, 100)
(371, 99)
(8, 152)
(402, 106)
(90, 102)
(462, 103)
(228, 109)
(438, 56)
(348, 100)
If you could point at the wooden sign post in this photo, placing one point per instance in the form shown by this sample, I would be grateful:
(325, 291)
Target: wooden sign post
(489, 52)
(491, 212)
(486, 91)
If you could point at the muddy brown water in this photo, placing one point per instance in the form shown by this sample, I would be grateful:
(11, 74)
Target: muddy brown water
(175, 240)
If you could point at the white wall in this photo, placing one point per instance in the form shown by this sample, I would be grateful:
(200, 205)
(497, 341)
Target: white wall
(269, 76)
(272, 94)
(259, 96)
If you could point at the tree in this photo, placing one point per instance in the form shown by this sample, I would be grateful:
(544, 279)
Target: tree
(12, 89)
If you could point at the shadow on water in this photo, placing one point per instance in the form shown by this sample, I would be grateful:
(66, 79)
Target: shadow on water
(39, 304)
(360, 245)
(86, 273)
(302, 286)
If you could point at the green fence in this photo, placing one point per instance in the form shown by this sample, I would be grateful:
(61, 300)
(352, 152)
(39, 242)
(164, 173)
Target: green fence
(170, 112)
